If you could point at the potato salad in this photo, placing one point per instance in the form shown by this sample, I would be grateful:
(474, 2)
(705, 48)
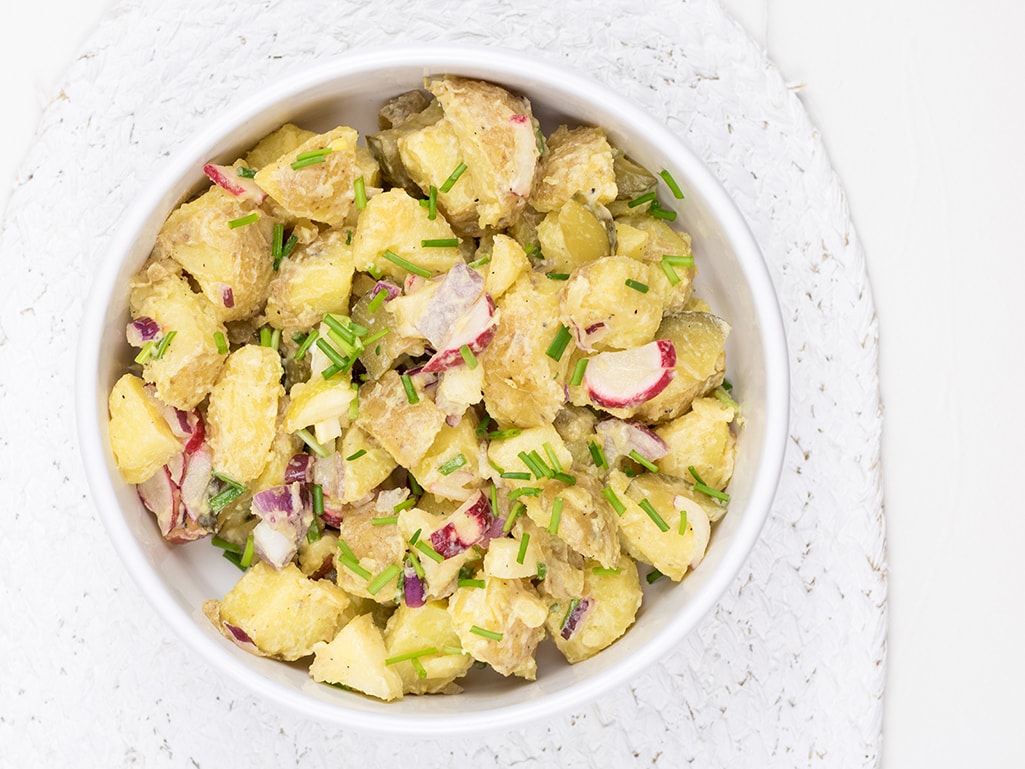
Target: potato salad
(442, 392)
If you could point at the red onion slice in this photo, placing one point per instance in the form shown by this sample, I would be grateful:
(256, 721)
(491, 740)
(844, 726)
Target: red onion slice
(299, 469)
(414, 590)
(142, 330)
(573, 617)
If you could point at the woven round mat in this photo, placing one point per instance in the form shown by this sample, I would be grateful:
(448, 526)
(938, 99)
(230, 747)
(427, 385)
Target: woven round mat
(787, 671)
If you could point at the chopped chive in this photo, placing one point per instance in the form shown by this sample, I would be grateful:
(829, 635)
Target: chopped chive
(235, 558)
(483, 426)
(604, 571)
(313, 533)
(354, 566)
(332, 354)
(224, 544)
(640, 201)
(524, 491)
(307, 343)
(468, 357)
(384, 578)
(494, 466)
(727, 385)
(723, 397)
(415, 538)
(242, 221)
(405, 264)
(425, 547)
(694, 472)
(310, 161)
(377, 301)
(164, 344)
(414, 560)
(334, 368)
(484, 632)
(348, 237)
(452, 465)
(597, 455)
(265, 333)
(246, 173)
(708, 491)
(670, 273)
(221, 342)
(410, 656)
(415, 488)
(558, 345)
(569, 610)
(578, 373)
(334, 323)
(662, 213)
(315, 446)
(246, 560)
(318, 500)
(553, 524)
(360, 193)
(432, 203)
(617, 505)
(515, 476)
(683, 522)
(523, 548)
(476, 583)
(277, 244)
(654, 576)
(374, 271)
(146, 352)
(517, 509)
(637, 285)
(451, 650)
(647, 507)
(498, 435)
(533, 465)
(346, 550)
(542, 146)
(375, 337)
(354, 404)
(221, 500)
(480, 262)
(679, 260)
(453, 177)
(642, 461)
(290, 244)
(494, 499)
(418, 666)
(553, 460)
(533, 251)
(404, 505)
(546, 471)
(557, 275)
(569, 480)
(542, 569)
(356, 455)
(310, 154)
(407, 385)
(440, 243)
(671, 182)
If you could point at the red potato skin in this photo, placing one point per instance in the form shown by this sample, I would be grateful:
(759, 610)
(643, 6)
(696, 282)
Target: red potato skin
(446, 540)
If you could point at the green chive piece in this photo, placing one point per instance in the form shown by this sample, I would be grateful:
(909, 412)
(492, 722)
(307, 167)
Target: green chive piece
(265, 336)
(727, 385)
(307, 343)
(604, 571)
(164, 344)
(440, 243)
(523, 548)
(553, 524)
(290, 244)
(653, 514)
(546, 471)
(597, 455)
(723, 397)
(475, 583)
(468, 357)
(616, 503)
(524, 491)
(318, 500)
(517, 509)
(356, 455)
(332, 354)
(354, 566)
(146, 352)
(308, 161)
(637, 285)
(418, 666)
(558, 345)
(497, 468)
(515, 476)
(662, 213)
(683, 522)
(553, 460)
(374, 271)
(404, 505)
(224, 544)
(405, 264)
(313, 533)
(557, 275)
(451, 650)
(346, 550)
(348, 237)
(410, 656)
(233, 557)
(432, 203)
(569, 480)
(452, 465)
(354, 405)
(578, 372)
(642, 461)
(708, 491)
(247, 553)
(640, 201)
(228, 495)
(377, 301)
(221, 342)
(671, 183)
(246, 173)
(534, 464)
(425, 548)
(453, 177)
(480, 262)
(485, 633)
(415, 488)
(498, 435)
(360, 193)
(277, 244)
(670, 273)
(375, 337)
(542, 569)
(384, 578)
(336, 324)
(407, 385)
(310, 154)
(307, 437)
(654, 576)
(414, 559)
(483, 426)
(242, 221)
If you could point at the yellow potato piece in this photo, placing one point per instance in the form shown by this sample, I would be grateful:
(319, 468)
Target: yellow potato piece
(355, 658)
(140, 437)
(578, 160)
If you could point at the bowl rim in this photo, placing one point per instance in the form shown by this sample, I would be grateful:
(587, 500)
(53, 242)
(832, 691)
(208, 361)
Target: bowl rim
(435, 58)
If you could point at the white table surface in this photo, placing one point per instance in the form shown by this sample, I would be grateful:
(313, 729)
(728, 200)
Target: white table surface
(921, 107)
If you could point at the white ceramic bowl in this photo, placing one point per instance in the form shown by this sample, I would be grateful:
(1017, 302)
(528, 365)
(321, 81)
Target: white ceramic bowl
(348, 90)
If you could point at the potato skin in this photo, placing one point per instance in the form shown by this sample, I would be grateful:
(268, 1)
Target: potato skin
(243, 412)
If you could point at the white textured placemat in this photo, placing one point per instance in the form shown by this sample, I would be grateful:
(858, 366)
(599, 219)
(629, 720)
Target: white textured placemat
(787, 671)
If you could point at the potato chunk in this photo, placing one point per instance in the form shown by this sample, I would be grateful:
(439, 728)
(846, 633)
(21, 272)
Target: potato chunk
(405, 430)
(508, 262)
(322, 191)
(277, 143)
(243, 411)
(701, 439)
(190, 365)
(649, 239)
(428, 627)
(578, 160)
(140, 437)
(232, 265)
(586, 521)
(316, 281)
(355, 658)
(284, 613)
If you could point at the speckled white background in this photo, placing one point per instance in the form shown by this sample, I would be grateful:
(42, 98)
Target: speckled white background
(787, 671)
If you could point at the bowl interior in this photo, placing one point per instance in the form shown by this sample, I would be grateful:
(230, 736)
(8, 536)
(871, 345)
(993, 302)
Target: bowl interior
(349, 90)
